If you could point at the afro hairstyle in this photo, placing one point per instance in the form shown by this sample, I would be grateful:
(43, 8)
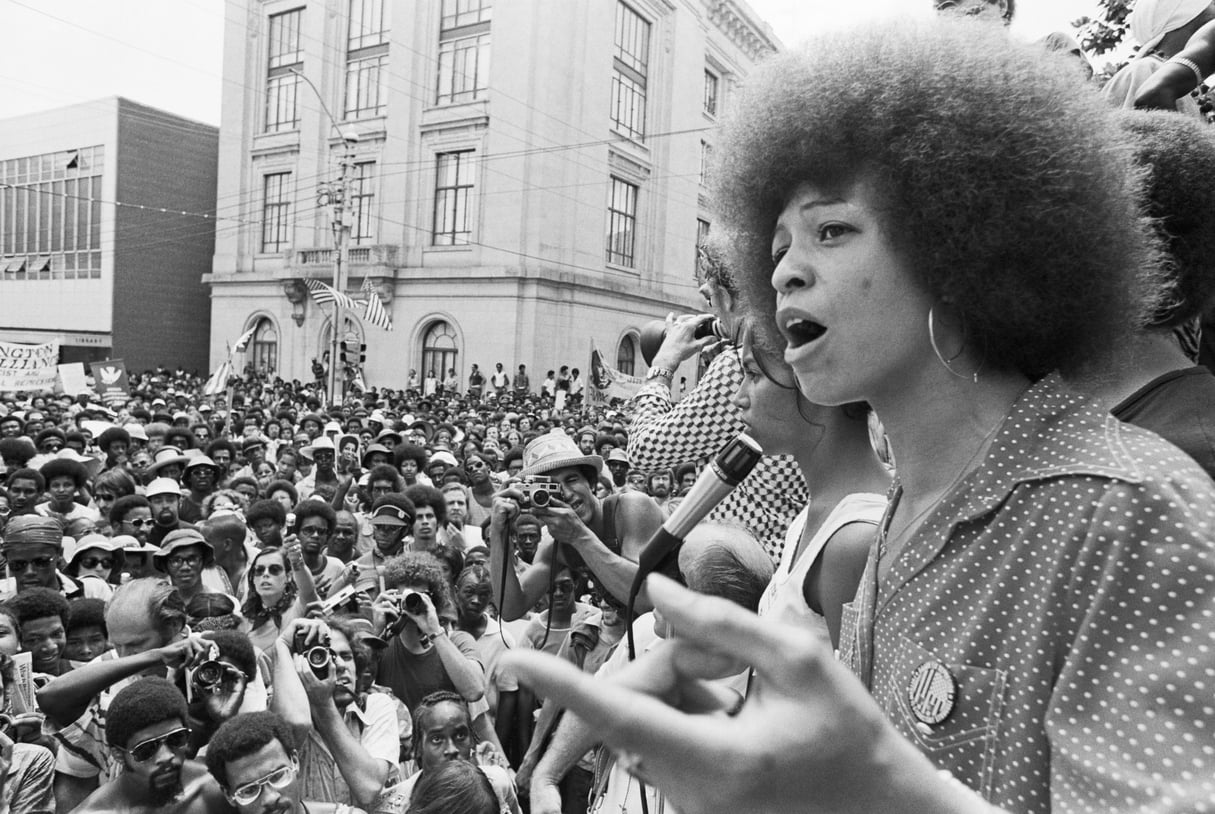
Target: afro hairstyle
(1178, 154)
(1005, 186)
(245, 735)
(266, 509)
(39, 603)
(422, 495)
(420, 568)
(86, 612)
(146, 702)
(65, 467)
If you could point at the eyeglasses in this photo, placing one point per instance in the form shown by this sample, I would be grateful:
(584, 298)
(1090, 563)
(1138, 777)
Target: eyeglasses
(93, 562)
(139, 523)
(176, 741)
(185, 560)
(565, 586)
(313, 531)
(279, 779)
(474, 464)
(52, 447)
(274, 570)
(39, 564)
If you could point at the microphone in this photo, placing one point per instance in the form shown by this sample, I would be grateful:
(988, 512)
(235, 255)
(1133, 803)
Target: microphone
(723, 474)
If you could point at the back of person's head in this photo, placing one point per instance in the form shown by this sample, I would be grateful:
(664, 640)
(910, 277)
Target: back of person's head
(724, 560)
(1178, 155)
(456, 787)
(147, 601)
(145, 702)
(244, 735)
(223, 526)
(212, 611)
(1003, 184)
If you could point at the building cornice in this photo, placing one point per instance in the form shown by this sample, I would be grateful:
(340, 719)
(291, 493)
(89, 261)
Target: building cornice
(743, 27)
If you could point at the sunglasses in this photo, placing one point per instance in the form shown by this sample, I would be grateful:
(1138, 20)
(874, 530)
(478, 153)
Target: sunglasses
(139, 523)
(274, 570)
(176, 741)
(279, 779)
(39, 564)
(93, 562)
(184, 560)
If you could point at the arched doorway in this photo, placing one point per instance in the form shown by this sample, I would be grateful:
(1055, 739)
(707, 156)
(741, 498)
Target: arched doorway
(440, 347)
(262, 352)
(626, 355)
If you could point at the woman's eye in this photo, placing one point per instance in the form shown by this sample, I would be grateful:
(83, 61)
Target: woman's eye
(831, 231)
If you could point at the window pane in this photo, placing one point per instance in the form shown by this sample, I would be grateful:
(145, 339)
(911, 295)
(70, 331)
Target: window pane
(622, 217)
(275, 211)
(710, 93)
(463, 69)
(453, 188)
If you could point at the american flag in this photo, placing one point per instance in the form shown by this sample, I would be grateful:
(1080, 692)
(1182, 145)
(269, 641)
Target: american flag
(327, 294)
(219, 379)
(375, 313)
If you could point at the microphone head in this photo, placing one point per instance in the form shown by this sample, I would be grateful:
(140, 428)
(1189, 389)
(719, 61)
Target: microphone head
(737, 458)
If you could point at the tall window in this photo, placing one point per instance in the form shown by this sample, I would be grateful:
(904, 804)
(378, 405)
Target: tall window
(282, 82)
(263, 350)
(439, 349)
(367, 59)
(711, 82)
(276, 208)
(626, 356)
(706, 158)
(622, 222)
(362, 203)
(453, 188)
(463, 50)
(629, 68)
(702, 234)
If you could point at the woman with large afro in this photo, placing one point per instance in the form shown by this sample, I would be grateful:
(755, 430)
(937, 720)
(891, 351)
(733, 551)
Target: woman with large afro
(938, 221)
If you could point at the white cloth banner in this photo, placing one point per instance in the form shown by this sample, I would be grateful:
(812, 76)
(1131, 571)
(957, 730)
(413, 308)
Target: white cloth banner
(28, 367)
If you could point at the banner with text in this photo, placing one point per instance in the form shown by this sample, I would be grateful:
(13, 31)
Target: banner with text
(110, 380)
(28, 367)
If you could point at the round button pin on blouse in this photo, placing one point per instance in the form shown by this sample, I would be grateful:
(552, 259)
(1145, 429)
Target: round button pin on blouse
(932, 692)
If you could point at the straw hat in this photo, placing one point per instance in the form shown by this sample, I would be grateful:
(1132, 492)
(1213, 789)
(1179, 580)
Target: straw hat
(556, 450)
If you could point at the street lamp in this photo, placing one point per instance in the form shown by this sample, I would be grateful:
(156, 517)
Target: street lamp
(336, 194)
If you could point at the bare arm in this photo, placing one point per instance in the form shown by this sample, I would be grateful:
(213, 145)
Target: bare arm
(521, 594)
(1174, 79)
(289, 700)
(364, 774)
(571, 741)
(465, 674)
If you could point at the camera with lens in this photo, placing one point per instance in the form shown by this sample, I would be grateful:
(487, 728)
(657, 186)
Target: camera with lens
(537, 491)
(654, 333)
(319, 657)
(207, 676)
(410, 603)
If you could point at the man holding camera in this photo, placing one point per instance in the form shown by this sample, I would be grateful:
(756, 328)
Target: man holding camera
(607, 536)
(350, 751)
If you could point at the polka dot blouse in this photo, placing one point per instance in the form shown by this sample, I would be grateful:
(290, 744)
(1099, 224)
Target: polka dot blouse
(1048, 636)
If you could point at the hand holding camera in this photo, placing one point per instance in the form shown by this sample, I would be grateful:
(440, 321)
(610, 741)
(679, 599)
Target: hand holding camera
(310, 641)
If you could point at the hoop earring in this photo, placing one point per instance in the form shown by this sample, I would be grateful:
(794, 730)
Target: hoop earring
(932, 340)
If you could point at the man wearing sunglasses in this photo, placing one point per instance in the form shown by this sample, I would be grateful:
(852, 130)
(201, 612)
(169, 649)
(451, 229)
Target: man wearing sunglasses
(31, 548)
(254, 759)
(146, 728)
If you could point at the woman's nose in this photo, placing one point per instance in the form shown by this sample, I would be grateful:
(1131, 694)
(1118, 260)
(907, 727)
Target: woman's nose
(789, 275)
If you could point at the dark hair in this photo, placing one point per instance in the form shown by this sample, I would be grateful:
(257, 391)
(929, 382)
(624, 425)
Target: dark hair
(28, 474)
(456, 787)
(1001, 180)
(452, 556)
(282, 486)
(1178, 154)
(65, 468)
(386, 472)
(422, 495)
(146, 702)
(39, 603)
(316, 508)
(254, 609)
(266, 509)
(427, 705)
(220, 443)
(242, 736)
(17, 451)
(123, 506)
(409, 452)
(420, 568)
(85, 612)
(110, 435)
(236, 648)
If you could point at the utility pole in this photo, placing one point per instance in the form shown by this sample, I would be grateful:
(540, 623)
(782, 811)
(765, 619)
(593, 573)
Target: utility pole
(336, 194)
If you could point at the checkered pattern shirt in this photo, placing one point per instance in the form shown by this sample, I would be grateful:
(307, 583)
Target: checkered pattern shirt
(663, 435)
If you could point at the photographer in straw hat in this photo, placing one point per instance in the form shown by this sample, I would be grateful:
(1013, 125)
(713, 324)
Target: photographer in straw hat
(606, 536)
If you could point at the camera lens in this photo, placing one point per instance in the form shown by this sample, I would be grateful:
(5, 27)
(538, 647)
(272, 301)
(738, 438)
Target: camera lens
(541, 497)
(414, 603)
(318, 657)
(209, 673)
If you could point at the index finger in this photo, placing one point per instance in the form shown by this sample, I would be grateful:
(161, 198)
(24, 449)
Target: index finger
(786, 656)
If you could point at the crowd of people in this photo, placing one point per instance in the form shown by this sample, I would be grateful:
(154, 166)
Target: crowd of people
(973, 569)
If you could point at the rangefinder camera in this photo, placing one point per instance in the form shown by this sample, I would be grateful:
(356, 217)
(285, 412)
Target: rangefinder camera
(319, 656)
(538, 491)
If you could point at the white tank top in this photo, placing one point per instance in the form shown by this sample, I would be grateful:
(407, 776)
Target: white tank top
(783, 599)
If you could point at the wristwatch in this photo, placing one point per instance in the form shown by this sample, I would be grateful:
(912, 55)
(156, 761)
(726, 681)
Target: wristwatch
(660, 373)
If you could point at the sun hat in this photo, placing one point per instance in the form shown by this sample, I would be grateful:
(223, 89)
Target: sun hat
(131, 545)
(203, 460)
(556, 450)
(322, 442)
(178, 539)
(74, 549)
(162, 486)
(167, 456)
